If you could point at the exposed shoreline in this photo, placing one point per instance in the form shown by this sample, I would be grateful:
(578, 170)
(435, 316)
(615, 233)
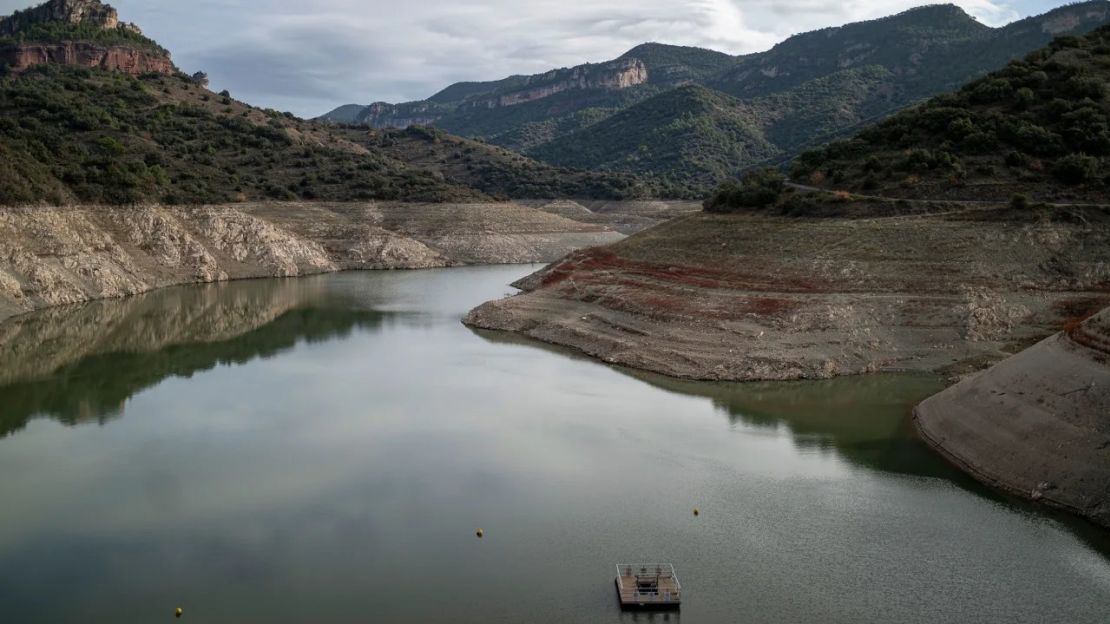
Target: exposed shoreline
(62, 255)
(760, 298)
(751, 298)
(1036, 425)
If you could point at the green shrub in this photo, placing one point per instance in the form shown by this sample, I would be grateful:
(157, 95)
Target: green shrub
(1076, 169)
(758, 189)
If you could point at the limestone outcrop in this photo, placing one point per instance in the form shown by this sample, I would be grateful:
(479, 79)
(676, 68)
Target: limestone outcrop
(91, 12)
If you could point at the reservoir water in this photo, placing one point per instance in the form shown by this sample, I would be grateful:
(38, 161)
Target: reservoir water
(324, 449)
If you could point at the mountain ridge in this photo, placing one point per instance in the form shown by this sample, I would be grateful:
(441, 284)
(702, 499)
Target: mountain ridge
(814, 84)
(93, 112)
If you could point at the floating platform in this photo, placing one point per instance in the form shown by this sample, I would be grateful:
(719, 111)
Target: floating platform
(648, 586)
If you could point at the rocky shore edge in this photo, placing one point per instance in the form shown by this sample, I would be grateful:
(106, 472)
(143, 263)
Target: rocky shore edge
(64, 255)
(1037, 424)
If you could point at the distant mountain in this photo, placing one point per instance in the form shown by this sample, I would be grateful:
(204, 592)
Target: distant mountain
(346, 114)
(691, 135)
(91, 111)
(524, 111)
(804, 91)
(1038, 127)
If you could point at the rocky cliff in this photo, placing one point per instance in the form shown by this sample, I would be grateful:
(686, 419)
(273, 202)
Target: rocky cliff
(620, 74)
(124, 59)
(54, 256)
(88, 12)
(82, 33)
(1037, 424)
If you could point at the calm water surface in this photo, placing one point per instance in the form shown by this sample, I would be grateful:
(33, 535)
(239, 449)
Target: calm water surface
(322, 450)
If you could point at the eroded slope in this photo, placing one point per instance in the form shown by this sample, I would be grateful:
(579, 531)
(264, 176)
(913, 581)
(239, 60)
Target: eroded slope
(745, 297)
(1037, 424)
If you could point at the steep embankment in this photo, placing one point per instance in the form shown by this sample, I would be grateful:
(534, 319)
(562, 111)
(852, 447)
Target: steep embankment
(745, 297)
(1038, 424)
(52, 256)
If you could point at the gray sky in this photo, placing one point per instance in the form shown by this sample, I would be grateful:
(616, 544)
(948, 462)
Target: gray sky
(310, 56)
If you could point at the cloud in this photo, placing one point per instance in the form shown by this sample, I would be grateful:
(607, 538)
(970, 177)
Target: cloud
(311, 56)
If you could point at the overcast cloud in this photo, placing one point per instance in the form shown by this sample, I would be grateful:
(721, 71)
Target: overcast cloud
(308, 57)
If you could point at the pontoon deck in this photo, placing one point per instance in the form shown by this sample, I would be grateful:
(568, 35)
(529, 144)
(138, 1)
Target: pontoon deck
(648, 585)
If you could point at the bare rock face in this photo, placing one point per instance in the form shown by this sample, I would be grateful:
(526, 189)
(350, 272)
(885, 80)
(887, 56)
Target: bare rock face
(620, 74)
(115, 58)
(132, 60)
(59, 255)
(1067, 20)
(70, 11)
(614, 75)
(385, 115)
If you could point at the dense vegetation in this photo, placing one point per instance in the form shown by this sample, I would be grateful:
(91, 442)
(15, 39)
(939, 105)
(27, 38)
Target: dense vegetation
(502, 173)
(71, 134)
(689, 138)
(1040, 127)
(758, 189)
(803, 92)
(930, 33)
(59, 32)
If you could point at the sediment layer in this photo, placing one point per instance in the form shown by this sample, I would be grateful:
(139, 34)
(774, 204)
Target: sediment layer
(1037, 424)
(52, 256)
(751, 297)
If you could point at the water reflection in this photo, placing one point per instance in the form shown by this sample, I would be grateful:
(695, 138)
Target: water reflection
(353, 472)
(80, 364)
(846, 415)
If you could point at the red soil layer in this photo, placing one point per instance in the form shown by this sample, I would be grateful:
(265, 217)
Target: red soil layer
(115, 58)
(669, 291)
(600, 260)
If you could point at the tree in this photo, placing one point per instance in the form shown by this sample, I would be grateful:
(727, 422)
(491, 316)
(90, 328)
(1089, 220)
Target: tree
(758, 189)
(1076, 168)
(201, 79)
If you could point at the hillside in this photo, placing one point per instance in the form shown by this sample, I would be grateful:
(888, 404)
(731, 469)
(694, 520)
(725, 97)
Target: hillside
(689, 135)
(910, 44)
(502, 173)
(1039, 127)
(804, 91)
(109, 119)
(522, 111)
